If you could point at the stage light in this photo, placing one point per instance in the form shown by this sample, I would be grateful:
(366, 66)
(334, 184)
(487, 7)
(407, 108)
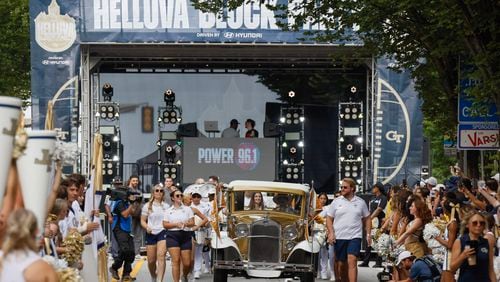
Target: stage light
(170, 171)
(347, 116)
(354, 174)
(301, 119)
(354, 116)
(301, 144)
(169, 96)
(178, 162)
(359, 181)
(108, 111)
(354, 89)
(293, 150)
(342, 159)
(359, 140)
(341, 139)
(284, 145)
(355, 168)
(170, 116)
(170, 154)
(285, 162)
(107, 92)
(349, 147)
(360, 115)
(347, 168)
(116, 138)
(116, 158)
(282, 119)
(347, 110)
(347, 174)
(291, 94)
(301, 162)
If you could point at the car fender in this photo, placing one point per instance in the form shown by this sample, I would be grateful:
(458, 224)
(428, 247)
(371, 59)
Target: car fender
(311, 246)
(223, 242)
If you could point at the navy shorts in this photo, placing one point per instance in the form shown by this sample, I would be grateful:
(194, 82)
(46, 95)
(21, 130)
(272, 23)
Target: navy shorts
(179, 239)
(152, 239)
(345, 247)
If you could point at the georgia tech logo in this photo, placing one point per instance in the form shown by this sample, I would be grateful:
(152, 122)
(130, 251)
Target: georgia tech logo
(393, 135)
(53, 31)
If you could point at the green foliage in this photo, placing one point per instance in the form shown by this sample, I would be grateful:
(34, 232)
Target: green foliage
(440, 162)
(14, 48)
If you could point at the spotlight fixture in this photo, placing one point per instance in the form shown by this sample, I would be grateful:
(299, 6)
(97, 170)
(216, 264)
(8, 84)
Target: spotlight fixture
(291, 94)
(293, 150)
(169, 96)
(108, 111)
(359, 140)
(170, 154)
(301, 144)
(170, 171)
(108, 167)
(107, 92)
(354, 89)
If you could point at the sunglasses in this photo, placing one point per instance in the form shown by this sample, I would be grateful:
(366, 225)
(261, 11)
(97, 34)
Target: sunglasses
(345, 187)
(178, 195)
(159, 190)
(478, 223)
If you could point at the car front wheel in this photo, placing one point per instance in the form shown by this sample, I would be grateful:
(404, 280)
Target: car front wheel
(220, 275)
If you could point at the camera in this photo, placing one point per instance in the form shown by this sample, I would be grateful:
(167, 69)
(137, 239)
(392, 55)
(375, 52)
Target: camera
(123, 193)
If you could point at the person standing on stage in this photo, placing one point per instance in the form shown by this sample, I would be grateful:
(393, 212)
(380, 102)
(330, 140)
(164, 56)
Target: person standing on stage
(345, 219)
(137, 231)
(152, 221)
(251, 132)
(232, 131)
(178, 218)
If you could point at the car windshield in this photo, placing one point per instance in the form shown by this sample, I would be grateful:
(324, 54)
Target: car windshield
(267, 201)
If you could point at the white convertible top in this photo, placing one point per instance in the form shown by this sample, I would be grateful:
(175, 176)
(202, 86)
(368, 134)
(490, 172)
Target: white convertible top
(241, 185)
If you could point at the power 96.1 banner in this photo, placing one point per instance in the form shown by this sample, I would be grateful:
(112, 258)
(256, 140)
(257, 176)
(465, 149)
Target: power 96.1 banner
(229, 158)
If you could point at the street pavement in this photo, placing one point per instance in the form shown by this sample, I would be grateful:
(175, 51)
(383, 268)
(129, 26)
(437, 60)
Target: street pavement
(365, 274)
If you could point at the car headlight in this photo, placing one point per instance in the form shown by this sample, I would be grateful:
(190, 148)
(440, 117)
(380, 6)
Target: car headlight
(290, 232)
(289, 245)
(242, 230)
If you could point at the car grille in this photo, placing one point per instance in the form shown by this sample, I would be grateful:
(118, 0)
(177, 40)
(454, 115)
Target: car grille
(264, 241)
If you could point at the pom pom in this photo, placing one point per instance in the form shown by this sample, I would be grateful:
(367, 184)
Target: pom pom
(66, 152)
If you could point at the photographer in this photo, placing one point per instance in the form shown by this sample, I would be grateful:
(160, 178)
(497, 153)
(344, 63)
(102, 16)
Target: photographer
(123, 205)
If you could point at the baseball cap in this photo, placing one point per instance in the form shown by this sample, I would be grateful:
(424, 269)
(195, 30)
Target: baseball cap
(496, 177)
(439, 187)
(234, 121)
(117, 180)
(431, 181)
(404, 255)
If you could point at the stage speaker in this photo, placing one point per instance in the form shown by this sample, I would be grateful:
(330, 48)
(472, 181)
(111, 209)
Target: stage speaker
(187, 130)
(271, 129)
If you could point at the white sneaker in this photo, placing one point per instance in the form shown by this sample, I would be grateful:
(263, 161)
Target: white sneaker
(324, 276)
(332, 278)
(206, 271)
(196, 275)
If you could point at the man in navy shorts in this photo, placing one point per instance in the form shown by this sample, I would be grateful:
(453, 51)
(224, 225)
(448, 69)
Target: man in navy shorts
(345, 218)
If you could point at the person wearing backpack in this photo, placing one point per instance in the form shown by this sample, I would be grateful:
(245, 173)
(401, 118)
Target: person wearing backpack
(425, 269)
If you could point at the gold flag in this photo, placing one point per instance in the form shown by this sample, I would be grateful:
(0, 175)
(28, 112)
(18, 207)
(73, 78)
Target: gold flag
(97, 162)
(49, 118)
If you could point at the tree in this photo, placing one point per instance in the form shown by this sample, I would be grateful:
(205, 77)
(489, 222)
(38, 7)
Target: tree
(433, 39)
(14, 48)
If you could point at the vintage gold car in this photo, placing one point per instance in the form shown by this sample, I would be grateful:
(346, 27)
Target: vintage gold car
(271, 243)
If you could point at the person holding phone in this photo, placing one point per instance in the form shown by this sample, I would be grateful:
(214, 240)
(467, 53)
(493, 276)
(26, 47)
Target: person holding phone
(472, 253)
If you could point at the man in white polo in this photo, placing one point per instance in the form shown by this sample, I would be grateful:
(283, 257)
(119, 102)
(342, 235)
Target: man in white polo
(345, 219)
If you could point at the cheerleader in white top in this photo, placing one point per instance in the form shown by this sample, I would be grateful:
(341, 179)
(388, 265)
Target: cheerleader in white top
(19, 261)
(152, 221)
(177, 220)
